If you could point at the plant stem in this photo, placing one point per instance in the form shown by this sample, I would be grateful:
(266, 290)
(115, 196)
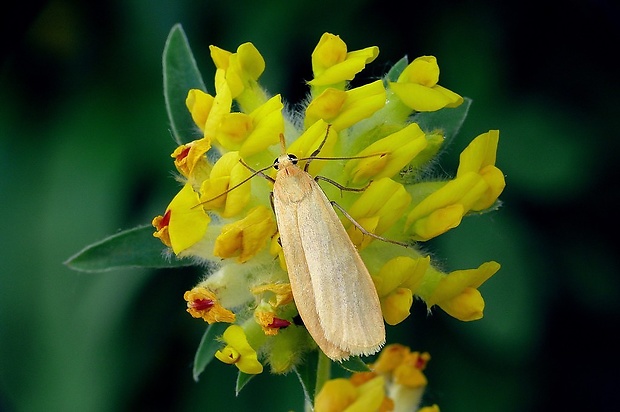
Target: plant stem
(323, 371)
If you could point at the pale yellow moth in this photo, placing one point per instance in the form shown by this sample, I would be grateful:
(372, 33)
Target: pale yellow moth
(333, 291)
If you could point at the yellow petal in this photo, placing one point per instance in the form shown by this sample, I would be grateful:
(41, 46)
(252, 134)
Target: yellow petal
(467, 306)
(239, 351)
(424, 99)
(456, 291)
(188, 223)
(424, 71)
(203, 303)
(332, 64)
(395, 307)
(335, 396)
(227, 173)
(245, 237)
(398, 149)
(390, 357)
(199, 105)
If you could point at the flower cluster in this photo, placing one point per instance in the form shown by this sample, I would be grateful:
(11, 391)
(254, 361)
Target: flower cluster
(396, 382)
(223, 215)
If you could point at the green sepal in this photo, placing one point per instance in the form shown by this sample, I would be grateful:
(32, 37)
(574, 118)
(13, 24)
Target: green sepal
(354, 364)
(242, 380)
(447, 121)
(209, 344)
(133, 248)
(395, 71)
(180, 75)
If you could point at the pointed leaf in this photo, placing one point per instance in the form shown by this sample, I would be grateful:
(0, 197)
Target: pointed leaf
(209, 344)
(242, 380)
(447, 120)
(354, 364)
(180, 75)
(130, 248)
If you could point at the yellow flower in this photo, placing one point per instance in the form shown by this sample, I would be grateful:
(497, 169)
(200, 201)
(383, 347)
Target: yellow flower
(397, 149)
(310, 140)
(199, 105)
(273, 296)
(241, 124)
(269, 322)
(239, 352)
(444, 207)
(402, 369)
(226, 174)
(277, 294)
(479, 157)
(432, 408)
(183, 224)
(417, 87)
(396, 283)
(377, 209)
(457, 293)
(245, 237)
(242, 70)
(255, 132)
(202, 303)
(332, 64)
(341, 395)
(343, 109)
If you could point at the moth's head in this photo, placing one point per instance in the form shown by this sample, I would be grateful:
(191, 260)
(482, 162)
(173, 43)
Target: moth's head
(284, 161)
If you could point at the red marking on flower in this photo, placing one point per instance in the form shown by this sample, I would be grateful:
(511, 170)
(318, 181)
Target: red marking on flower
(279, 323)
(202, 304)
(183, 154)
(166, 219)
(421, 362)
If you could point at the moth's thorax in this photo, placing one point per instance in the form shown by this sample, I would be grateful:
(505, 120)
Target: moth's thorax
(292, 182)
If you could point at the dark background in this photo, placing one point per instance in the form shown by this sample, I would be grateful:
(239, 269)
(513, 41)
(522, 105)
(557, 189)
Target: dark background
(84, 152)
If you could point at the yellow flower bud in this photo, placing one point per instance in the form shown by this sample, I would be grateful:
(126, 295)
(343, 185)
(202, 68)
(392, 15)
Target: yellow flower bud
(397, 150)
(245, 237)
(332, 64)
(238, 351)
(183, 224)
(226, 174)
(417, 87)
(203, 303)
(342, 109)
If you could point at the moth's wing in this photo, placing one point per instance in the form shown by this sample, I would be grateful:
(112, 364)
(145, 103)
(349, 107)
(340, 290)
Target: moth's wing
(298, 272)
(346, 300)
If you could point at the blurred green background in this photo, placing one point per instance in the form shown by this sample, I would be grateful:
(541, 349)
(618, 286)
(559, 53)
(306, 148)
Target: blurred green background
(84, 152)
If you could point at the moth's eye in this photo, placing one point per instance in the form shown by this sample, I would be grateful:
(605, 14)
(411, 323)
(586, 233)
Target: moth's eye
(293, 158)
(276, 163)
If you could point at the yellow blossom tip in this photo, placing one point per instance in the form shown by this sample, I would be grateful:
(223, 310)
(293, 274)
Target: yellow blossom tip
(246, 237)
(183, 224)
(203, 303)
(238, 351)
(417, 87)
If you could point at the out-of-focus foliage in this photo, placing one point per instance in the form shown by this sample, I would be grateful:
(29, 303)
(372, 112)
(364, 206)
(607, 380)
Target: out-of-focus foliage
(83, 145)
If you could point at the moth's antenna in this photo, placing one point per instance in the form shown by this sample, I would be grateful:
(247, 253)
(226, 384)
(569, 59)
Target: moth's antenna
(254, 173)
(318, 150)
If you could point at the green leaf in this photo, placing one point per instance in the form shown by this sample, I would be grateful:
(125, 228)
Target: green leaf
(242, 380)
(207, 348)
(180, 75)
(396, 70)
(448, 120)
(354, 364)
(130, 248)
(306, 372)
